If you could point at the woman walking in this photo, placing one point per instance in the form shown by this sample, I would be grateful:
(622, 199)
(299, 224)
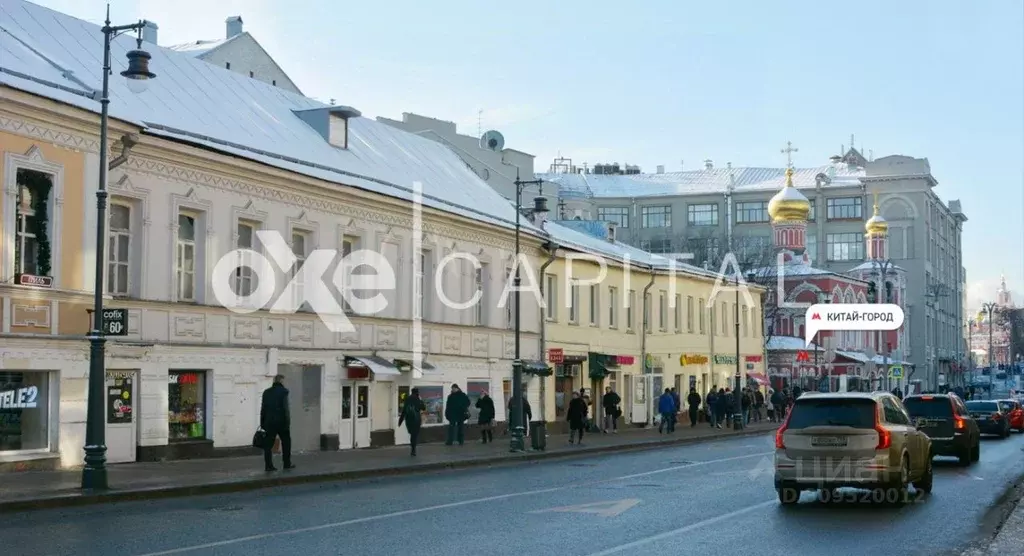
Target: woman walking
(486, 421)
(577, 417)
(412, 416)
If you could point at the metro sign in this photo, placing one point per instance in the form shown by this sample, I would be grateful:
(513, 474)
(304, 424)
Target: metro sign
(802, 357)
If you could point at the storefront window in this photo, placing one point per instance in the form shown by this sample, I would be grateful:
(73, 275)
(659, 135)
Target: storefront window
(475, 389)
(186, 405)
(24, 410)
(433, 398)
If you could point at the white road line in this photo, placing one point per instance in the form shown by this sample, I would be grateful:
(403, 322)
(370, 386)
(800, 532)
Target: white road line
(238, 540)
(681, 530)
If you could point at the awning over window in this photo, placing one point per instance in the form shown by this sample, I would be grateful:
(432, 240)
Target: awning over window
(758, 377)
(378, 365)
(536, 368)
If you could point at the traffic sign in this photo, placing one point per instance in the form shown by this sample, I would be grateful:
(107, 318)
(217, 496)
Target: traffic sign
(115, 322)
(896, 371)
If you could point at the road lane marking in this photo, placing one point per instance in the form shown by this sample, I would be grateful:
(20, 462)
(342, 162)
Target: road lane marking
(681, 530)
(604, 509)
(238, 540)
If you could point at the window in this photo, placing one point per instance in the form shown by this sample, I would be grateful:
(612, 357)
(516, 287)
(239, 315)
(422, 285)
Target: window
(656, 217)
(119, 249)
(510, 303)
(812, 245)
(746, 323)
(595, 305)
(648, 312)
(755, 324)
(186, 405)
(814, 205)
(725, 319)
(574, 303)
(844, 208)
(753, 250)
(657, 245)
(350, 244)
(689, 315)
(300, 241)
(227, 65)
(704, 249)
(618, 215)
(751, 212)
(702, 215)
(663, 311)
(812, 412)
(24, 410)
(703, 315)
(32, 243)
(613, 307)
(186, 257)
(678, 313)
(252, 74)
(421, 293)
(629, 310)
(845, 247)
(273, 82)
(245, 277)
(551, 292)
(479, 281)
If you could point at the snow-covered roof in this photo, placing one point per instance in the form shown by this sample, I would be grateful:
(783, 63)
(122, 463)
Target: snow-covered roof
(876, 360)
(54, 55)
(198, 48)
(697, 182)
(874, 266)
(790, 343)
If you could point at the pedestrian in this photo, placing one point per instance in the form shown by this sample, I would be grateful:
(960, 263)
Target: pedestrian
(525, 411)
(576, 414)
(456, 411)
(679, 407)
(275, 420)
(693, 400)
(667, 409)
(486, 419)
(711, 403)
(746, 402)
(770, 405)
(611, 402)
(722, 406)
(758, 404)
(412, 416)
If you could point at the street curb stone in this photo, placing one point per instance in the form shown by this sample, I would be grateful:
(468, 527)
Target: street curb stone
(114, 495)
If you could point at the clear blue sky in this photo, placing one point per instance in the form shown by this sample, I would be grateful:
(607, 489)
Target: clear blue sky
(669, 81)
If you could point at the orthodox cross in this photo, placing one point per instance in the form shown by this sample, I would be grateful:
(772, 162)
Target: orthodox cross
(788, 151)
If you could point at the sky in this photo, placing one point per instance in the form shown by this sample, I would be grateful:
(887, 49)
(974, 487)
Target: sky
(676, 82)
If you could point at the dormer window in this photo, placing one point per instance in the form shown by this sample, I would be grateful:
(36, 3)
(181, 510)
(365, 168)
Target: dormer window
(338, 131)
(331, 122)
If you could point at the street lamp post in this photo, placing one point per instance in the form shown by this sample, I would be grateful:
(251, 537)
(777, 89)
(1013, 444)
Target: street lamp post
(94, 473)
(518, 443)
(990, 308)
(822, 298)
(739, 422)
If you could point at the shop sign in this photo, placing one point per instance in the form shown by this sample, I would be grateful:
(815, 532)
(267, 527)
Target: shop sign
(750, 366)
(725, 360)
(625, 359)
(692, 359)
(119, 399)
(183, 378)
(33, 280)
(752, 358)
(115, 322)
(556, 356)
(22, 398)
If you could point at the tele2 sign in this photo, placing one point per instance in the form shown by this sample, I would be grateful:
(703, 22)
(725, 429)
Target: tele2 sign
(22, 398)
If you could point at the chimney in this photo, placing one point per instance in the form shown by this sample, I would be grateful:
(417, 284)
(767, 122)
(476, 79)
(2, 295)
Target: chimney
(540, 211)
(661, 168)
(708, 165)
(835, 159)
(234, 26)
(611, 231)
(149, 32)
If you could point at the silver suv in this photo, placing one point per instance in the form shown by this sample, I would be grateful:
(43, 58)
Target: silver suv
(854, 439)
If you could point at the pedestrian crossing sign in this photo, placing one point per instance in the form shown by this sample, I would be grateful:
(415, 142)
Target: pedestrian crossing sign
(896, 371)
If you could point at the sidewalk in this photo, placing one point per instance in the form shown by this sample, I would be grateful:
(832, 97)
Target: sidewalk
(135, 481)
(1008, 540)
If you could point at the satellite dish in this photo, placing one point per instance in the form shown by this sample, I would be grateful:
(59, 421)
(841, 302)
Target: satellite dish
(492, 141)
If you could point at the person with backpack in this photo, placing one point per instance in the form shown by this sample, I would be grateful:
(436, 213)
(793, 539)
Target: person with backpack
(412, 416)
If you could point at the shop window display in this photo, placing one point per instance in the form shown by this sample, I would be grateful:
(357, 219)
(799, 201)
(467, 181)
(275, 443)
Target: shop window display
(186, 405)
(24, 411)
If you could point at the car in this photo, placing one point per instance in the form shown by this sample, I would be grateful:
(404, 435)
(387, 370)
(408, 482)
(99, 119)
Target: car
(863, 440)
(946, 420)
(1016, 413)
(990, 417)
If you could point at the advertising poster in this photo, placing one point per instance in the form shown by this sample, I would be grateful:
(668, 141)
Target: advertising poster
(475, 389)
(433, 398)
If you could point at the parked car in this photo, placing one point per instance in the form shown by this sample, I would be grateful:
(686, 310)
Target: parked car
(945, 419)
(851, 439)
(990, 417)
(1016, 413)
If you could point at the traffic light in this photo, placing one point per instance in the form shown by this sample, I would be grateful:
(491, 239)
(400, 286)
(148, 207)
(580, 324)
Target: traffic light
(872, 293)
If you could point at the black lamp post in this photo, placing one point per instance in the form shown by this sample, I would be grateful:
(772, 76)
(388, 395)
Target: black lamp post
(516, 415)
(738, 421)
(990, 308)
(94, 474)
(822, 297)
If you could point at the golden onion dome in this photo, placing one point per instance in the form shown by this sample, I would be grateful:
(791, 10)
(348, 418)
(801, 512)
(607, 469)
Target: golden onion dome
(789, 205)
(981, 316)
(876, 225)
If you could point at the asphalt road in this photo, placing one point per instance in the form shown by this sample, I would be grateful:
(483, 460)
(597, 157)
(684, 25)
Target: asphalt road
(715, 497)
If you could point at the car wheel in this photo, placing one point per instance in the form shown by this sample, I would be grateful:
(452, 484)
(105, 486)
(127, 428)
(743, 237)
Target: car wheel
(924, 484)
(788, 496)
(966, 455)
(902, 483)
(976, 451)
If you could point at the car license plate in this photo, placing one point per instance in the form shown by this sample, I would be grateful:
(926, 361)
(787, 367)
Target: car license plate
(828, 441)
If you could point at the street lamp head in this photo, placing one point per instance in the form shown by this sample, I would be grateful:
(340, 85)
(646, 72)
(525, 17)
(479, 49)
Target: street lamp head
(540, 205)
(138, 75)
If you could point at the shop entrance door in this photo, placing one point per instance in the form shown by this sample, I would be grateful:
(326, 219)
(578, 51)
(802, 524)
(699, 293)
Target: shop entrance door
(303, 384)
(122, 422)
(638, 399)
(355, 415)
(400, 394)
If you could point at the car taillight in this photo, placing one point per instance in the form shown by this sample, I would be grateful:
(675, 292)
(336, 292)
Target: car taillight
(959, 423)
(926, 397)
(779, 444)
(884, 436)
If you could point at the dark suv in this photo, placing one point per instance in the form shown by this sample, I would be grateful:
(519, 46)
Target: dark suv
(946, 420)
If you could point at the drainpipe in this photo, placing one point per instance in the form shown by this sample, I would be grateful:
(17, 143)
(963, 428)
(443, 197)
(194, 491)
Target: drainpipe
(643, 352)
(552, 251)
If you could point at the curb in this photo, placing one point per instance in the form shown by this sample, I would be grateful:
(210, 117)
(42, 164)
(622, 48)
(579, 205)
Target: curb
(112, 496)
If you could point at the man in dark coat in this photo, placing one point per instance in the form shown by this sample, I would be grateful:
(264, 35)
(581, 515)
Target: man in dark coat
(486, 420)
(527, 412)
(275, 420)
(412, 416)
(576, 414)
(611, 403)
(456, 411)
(693, 400)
